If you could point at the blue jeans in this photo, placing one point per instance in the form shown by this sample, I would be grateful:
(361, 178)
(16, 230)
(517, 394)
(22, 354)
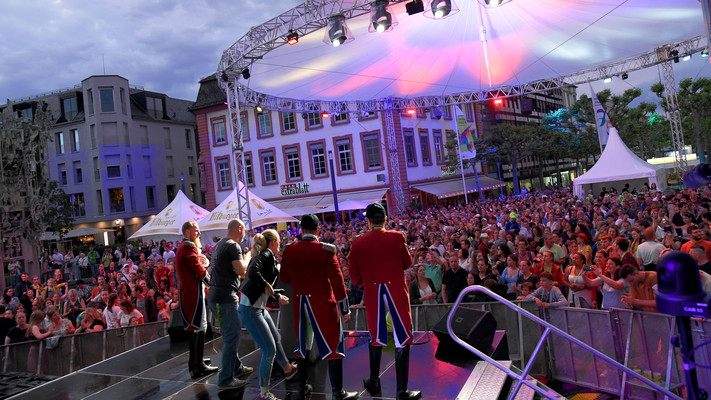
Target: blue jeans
(260, 325)
(227, 318)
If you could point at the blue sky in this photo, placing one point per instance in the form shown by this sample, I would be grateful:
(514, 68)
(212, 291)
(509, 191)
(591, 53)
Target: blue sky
(164, 45)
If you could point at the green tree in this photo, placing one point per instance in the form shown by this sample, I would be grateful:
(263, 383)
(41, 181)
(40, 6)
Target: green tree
(59, 216)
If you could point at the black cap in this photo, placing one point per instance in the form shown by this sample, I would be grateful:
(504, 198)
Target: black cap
(309, 222)
(374, 210)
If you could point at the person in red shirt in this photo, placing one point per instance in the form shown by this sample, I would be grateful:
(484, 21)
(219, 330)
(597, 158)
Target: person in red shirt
(547, 265)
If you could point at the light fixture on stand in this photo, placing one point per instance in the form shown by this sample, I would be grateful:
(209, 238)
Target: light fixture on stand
(381, 17)
(337, 32)
(493, 3)
(440, 9)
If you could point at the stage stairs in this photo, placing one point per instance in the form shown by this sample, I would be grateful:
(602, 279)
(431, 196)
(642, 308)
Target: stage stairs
(487, 382)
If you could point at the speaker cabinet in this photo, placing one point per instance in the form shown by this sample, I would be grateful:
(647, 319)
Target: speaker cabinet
(475, 327)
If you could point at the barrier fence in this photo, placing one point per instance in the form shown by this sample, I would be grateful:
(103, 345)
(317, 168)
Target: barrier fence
(639, 340)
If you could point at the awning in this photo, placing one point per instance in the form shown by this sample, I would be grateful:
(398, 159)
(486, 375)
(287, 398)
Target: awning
(454, 187)
(73, 233)
(324, 203)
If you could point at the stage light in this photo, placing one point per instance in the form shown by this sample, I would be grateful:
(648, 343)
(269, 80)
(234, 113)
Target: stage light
(675, 55)
(686, 57)
(414, 7)
(607, 79)
(440, 9)
(292, 38)
(259, 108)
(705, 53)
(245, 73)
(624, 76)
(411, 112)
(381, 17)
(498, 102)
(324, 115)
(493, 3)
(338, 32)
(437, 112)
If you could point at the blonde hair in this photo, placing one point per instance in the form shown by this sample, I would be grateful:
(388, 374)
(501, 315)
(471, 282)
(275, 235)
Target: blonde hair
(262, 240)
(35, 320)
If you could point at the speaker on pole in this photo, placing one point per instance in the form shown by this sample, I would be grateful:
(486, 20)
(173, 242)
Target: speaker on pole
(474, 326)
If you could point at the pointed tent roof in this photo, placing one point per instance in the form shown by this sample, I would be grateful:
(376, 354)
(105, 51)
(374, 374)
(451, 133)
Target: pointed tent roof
(617, 163)
(262, 212)
(170, 220)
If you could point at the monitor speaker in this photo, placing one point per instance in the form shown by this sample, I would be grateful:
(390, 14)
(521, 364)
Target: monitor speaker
(474, 326)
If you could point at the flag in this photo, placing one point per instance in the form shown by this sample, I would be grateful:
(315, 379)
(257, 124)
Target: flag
(466, 136)
(601, 119)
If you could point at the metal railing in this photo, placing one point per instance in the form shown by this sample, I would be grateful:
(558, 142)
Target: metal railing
(522, 378)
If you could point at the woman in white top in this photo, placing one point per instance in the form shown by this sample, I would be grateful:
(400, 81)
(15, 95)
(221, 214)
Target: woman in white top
(422, 289)
(580, 294)
(112, 311)
(613, 287)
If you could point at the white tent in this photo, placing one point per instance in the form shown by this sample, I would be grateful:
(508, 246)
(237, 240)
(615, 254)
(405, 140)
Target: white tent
(262, 213)
(168, 223)
(617, 166)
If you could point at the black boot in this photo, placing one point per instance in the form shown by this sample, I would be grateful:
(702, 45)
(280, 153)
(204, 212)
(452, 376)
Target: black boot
(372, 384)
(302, 376)
(191, 348)
(402, 370)
(199, 367)
(335, 372)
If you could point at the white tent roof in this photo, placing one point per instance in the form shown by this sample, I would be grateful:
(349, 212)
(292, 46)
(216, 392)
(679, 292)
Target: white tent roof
(78, 232)
(168, 223)
(616, 163)
(527, 40)
(324, 203)
(261, 211)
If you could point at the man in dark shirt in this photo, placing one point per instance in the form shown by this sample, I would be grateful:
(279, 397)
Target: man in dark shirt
(453, 280)
(228, 265)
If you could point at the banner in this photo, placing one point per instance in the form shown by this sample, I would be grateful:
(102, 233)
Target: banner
(466, 136)
(601, 119)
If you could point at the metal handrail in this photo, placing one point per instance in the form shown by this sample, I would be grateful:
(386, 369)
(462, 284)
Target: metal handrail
(521, 379)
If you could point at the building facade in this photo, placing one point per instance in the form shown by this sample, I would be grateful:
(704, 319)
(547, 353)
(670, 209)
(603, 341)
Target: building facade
(120, 152)
(288, 155)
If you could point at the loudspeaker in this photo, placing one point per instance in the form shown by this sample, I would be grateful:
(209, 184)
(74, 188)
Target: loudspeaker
(476, 327)
(526, 106)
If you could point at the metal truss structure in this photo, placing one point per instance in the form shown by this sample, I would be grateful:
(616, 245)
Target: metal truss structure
(394, 163)
(670, 94)
(232, 91)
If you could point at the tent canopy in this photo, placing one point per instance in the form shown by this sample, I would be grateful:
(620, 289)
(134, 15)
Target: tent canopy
(618, 164)
(324, 203)
(78, 232)
(526, 40)
(168, 222)
(454, 187)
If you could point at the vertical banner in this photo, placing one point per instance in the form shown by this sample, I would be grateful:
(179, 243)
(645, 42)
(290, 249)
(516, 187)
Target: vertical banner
(601, 119)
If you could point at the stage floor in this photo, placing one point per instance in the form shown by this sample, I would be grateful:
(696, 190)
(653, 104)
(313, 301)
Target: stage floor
(158, 370)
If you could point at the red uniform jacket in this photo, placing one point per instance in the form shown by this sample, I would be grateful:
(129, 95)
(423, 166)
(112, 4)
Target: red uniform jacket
(318, 290)
(192, 293)
(377, 261)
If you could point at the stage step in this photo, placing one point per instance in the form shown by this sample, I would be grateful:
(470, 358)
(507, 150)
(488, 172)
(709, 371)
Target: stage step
(486, 382)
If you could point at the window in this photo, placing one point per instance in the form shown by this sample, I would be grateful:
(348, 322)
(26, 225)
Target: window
(218, 130)
(313, 119)
(288, 121)
(269, 174)
(264, 124)
(371, 149)
(151, 197)
(409, 147)
(191, 168)
(468, 112)
(132, 197)
(155, 107)
(92, 133)
(318, 159)
(69, 108)
(447, 112)
(78, 205)
(293, 165)
(24, 113)
(342, 117)
(59, 142)
(192, 192)
(144, 136)
(425, 148)
(116, 200)
(248, 169)
(90, 102)
(345, 155)
(168, 141)
(367, 115)
(170, 192)
(129, 166)
(169, 167)
(126, 134)
(74, 134)
(62, 174)
(113, 166)
(223, 174)
(122, 98)
(109, 132)
(244, 125)
(107, 99)
(147, 170)
(438, 147)
(188, 141)
(97, 170)
(78, 178)
(99, 203)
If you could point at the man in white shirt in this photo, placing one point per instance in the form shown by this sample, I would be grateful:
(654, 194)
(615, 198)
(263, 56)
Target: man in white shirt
(648, 252)
(167, 253)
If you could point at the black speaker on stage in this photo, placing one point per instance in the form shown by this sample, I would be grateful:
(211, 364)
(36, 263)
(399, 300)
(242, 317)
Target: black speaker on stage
(474, 326)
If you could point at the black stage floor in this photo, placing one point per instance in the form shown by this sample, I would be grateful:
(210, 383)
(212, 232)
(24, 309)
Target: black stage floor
(158, 370)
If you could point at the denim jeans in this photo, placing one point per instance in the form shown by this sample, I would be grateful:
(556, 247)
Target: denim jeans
(260, 325)
(227, 318)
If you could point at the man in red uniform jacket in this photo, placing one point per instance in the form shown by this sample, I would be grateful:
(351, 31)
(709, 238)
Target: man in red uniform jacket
(191, 273)
(319, 294)
(377, 263)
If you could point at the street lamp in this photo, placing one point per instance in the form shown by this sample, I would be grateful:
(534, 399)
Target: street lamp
(333, 186)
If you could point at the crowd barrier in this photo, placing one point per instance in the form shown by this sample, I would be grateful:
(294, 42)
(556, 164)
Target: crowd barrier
(73, 352)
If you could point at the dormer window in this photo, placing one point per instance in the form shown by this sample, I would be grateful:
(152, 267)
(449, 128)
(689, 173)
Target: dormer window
(155, 107)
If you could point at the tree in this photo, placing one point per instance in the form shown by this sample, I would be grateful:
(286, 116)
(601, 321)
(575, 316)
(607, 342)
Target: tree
(59, 215)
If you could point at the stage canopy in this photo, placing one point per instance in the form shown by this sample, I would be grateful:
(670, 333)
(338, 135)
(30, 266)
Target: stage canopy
(78, 232)
(324, 203)
(617, 166)
(168, 223)
(526, 40)
(455, 187)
